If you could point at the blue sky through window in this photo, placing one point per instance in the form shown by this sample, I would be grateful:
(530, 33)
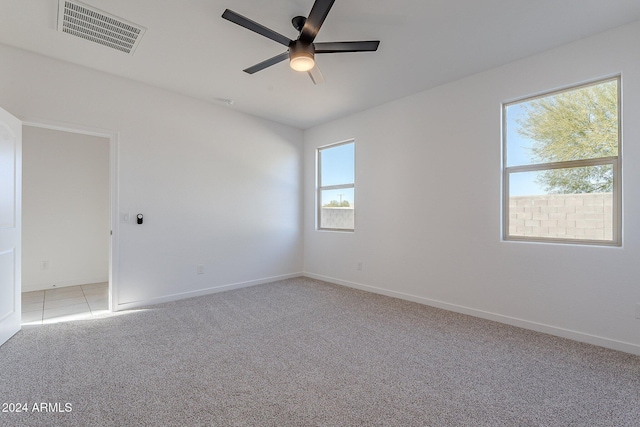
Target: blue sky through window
(518, 147)
(519, 153)
(338, 165)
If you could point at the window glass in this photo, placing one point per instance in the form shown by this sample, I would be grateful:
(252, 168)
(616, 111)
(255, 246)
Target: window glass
(338, 165)
(534, 212)
(562, 168)
(574, 124)
(342, 198)
(336, 187)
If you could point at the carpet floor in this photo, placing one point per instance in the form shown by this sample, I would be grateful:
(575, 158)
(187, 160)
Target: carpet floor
(301, 352)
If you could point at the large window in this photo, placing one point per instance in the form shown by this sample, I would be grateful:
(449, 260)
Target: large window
(562, 166)
(336, 187)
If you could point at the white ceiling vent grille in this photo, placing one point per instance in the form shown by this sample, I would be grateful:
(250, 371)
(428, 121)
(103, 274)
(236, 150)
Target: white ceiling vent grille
(92, 24)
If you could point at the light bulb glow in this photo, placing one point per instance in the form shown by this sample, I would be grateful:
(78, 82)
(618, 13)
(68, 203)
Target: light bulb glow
(302, 61)
(301, 56)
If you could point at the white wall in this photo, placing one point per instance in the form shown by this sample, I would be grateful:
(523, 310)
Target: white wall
(217, 187)
(65, 208)
(437, 154)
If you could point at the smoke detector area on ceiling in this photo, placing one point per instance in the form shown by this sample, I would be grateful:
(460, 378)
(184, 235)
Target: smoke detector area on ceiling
(95, 25)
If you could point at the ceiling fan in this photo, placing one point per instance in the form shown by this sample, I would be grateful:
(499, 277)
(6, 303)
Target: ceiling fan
(302, 51)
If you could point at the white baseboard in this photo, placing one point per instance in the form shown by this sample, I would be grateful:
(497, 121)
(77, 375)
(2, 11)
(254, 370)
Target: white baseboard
(201, 292)
(63, 284)
(513, 321)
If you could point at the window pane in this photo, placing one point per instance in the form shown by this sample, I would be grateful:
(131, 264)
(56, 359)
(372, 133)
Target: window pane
(337, 209)
(576, 124)
(338, 198)
(337, 165)
(569, 213)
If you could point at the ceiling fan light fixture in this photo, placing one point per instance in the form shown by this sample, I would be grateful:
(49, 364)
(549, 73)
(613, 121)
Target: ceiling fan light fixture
(301, 57)
(302, 62)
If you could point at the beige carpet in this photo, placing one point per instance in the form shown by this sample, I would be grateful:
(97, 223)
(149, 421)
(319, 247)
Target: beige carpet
(306, 353)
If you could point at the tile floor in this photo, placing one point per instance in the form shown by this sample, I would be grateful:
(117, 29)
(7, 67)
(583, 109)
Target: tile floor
(65, 304)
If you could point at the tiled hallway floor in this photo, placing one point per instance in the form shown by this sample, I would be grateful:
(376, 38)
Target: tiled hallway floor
(64, 304)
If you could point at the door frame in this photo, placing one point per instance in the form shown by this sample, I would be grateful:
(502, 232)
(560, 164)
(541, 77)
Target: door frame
(112, 136)
(11, 227)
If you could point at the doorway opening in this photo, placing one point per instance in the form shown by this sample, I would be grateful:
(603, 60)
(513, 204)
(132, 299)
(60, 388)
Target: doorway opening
(67, 200)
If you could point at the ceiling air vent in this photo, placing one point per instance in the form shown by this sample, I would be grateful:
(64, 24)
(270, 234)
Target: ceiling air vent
(92, 24)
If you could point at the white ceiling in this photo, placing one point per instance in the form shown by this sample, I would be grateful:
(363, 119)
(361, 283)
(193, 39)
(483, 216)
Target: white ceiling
(188, 48)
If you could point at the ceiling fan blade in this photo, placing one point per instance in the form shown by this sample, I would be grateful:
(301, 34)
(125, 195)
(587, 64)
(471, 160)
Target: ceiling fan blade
(336, 47)
(268, 63)
(316, 17)
(316, 75)
(247, 23)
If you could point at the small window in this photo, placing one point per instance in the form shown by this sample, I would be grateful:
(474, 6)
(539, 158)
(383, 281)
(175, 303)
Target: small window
(562, 166)
(336, 187)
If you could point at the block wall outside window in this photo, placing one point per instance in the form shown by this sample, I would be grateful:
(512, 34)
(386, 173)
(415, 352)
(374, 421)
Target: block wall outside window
(574, 216)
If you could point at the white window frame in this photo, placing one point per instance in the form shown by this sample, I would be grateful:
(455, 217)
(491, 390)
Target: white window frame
(320, 188)
(614, 161)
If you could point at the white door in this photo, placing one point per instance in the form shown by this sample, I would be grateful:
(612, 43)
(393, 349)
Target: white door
(10, 224)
